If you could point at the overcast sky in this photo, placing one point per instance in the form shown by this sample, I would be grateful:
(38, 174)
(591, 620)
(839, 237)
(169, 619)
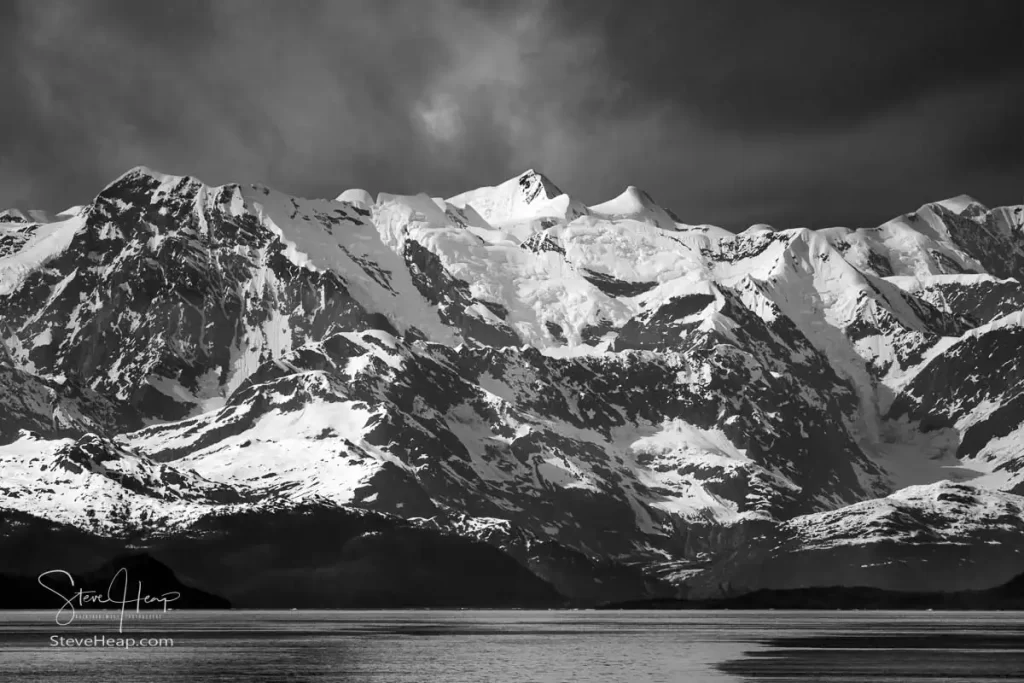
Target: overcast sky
(792, 113)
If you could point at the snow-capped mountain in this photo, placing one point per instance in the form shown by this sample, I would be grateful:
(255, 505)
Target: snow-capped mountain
(602, 392)
(526, 200)
(634, 204)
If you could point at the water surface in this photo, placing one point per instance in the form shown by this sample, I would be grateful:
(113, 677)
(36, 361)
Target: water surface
(413, 646)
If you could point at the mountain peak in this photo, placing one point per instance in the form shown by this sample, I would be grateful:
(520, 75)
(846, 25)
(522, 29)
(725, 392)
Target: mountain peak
(147, 172)
(535, 184)
(631, 199)
(527, 196)
(356, 197)
(635, 204)
(641, 195)
(19, 216)
(143, 176)
(758, 228)
(13, 216)
(959, 204)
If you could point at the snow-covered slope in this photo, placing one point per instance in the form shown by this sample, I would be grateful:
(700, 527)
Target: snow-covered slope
(562, 381)
(93, 484)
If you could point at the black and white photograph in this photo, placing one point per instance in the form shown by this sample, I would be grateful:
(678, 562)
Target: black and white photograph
(511, 341)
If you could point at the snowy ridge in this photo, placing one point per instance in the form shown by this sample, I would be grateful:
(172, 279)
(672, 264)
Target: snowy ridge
(95, 485)
(944, 512)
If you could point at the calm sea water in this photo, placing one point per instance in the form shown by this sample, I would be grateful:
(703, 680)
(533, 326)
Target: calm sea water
(519, 646)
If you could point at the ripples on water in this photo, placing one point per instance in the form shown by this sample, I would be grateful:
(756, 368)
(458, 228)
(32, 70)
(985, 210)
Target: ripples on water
(520, 646)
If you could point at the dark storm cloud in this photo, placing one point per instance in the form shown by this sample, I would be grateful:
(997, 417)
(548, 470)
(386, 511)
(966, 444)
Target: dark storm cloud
(798, 64)
(305, 96)
(727, 112)
(813, 113)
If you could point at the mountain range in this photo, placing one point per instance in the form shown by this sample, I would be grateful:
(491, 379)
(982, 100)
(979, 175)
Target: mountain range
(621, 405)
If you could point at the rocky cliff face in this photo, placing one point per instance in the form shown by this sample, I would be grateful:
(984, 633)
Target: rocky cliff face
(625, 404)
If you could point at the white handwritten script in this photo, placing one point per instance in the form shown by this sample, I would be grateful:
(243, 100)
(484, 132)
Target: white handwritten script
(116, 595)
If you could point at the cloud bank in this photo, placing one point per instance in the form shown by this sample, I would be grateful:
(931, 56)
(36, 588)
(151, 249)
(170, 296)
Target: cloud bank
(804, 113)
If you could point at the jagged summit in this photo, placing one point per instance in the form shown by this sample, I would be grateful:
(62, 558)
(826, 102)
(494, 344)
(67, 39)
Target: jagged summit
(535, 184)
(960, 203)
(144, 172)
(527, 197)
